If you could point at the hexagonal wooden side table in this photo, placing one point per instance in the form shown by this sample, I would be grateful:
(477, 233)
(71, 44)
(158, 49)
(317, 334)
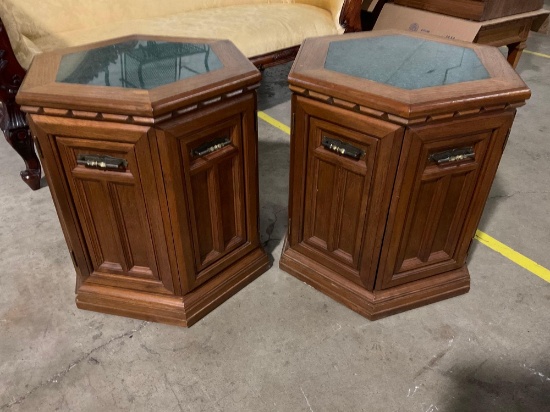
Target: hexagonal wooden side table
(396, 139)
(150, 150)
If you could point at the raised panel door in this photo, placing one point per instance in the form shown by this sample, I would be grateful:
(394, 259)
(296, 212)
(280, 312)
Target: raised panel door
(215, 191)
(117, 208)
(348, 173)
(444, 177)
(209, 160)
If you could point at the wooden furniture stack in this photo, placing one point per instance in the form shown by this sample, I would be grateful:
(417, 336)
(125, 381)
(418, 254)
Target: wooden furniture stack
(502, 22)
(478, 10)
(395, 142)
(150, 149)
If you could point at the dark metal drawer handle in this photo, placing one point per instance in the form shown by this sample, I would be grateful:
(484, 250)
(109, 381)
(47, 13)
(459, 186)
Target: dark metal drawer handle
(102, 162)
(453, 155)
(211, 146)
(342, 148)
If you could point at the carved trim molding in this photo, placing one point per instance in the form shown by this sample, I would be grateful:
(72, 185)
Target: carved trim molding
(394, 118)
(139, 120)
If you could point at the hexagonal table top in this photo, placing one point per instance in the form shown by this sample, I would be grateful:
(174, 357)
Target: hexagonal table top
(137, 64)
(405, 74)
(138, 75)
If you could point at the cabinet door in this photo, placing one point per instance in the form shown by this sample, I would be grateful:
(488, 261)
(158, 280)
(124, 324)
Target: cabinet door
(210, 163)
(117, 209)
(342, 172)
(436, 206)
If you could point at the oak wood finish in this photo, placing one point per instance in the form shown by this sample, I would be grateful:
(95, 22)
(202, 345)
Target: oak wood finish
(374, 304)
(171, 234)
(479, 10)
(435, 209)
(341, 197)
(390, 231)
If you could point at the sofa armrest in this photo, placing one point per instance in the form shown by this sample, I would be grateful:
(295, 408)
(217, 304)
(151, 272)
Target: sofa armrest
(346, 13)
(350, 16)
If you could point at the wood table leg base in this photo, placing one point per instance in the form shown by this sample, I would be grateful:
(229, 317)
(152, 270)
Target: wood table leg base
(173, 310)
(515, 51)
(379, 303)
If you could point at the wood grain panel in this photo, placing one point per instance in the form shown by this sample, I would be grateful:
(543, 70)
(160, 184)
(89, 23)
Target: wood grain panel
(63, 202)
(321, 203)
(137, 255)
(216, 198)
(475, 9)
(202, 212)
(101, 234)
(116, 214)
(336, 192)
(329, 188)
(352, 202)
(208, 195)
(232, 211)
(435, 208)
(467, 9)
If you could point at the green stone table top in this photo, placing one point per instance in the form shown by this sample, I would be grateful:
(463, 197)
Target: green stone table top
(139, 76)
(137, 64)
(405, 62)
(405, 77)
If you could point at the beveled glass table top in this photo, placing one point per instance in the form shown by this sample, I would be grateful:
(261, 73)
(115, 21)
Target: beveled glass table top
(405, 62)
(137, 64)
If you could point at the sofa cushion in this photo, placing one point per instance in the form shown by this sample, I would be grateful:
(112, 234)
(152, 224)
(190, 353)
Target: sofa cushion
(254, 29)
(257, 27)
(37, 18)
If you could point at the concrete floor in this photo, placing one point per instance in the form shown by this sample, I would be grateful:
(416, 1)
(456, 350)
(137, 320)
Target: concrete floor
(279, 345)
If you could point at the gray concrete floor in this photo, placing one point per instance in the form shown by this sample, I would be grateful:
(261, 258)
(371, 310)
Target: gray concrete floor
(279, 345)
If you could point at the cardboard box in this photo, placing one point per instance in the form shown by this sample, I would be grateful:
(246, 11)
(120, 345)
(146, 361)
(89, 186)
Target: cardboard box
(405, 18)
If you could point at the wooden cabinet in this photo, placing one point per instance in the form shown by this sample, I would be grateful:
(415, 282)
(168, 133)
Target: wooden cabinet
(475, 9)
(216, 191)
(157, 194)
(390, 169)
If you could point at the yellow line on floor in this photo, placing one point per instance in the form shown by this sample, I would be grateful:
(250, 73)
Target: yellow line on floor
(547, 56)
(482, 237)
(514, 256)
(273, 122)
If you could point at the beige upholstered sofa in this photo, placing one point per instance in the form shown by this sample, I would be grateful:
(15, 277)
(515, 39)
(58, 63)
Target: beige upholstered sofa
(266, 31)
